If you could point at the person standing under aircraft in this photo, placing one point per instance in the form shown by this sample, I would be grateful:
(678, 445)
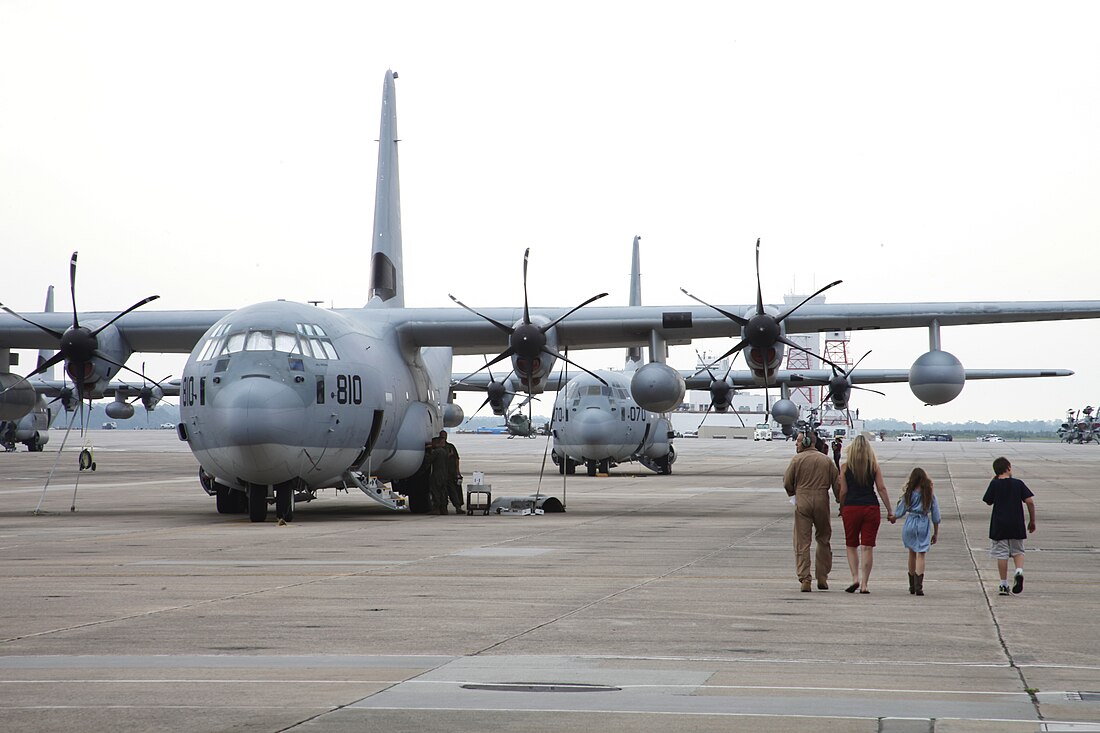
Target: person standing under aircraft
(838, 445)
(438, 481)
(860, 476)
(454, 475)
(808, 479)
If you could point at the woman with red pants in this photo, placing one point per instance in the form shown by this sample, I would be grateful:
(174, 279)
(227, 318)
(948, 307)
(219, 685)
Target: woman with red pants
(860, 477)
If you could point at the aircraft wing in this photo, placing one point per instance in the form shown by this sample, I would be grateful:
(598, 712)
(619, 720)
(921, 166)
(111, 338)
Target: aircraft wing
(743, 379)
(613, 327)
(55, 387)
(589, 327)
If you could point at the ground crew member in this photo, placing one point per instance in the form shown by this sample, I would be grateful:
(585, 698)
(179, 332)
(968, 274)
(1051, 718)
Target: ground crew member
(454, 475)
(438, 481)
(808, 479)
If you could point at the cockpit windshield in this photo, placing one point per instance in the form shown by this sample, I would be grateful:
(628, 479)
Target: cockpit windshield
(308, 340)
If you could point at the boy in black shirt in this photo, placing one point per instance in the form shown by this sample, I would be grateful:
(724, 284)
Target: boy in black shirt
(1008, 496)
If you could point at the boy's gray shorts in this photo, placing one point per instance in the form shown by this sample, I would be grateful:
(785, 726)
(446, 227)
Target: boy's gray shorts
(1004, 549)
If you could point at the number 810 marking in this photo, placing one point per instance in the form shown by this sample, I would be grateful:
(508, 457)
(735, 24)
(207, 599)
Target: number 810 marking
(349, 389)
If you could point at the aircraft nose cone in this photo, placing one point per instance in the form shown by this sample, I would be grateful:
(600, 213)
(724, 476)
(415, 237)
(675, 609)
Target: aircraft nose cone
(257, 410)
(254, 428)
(593, 427)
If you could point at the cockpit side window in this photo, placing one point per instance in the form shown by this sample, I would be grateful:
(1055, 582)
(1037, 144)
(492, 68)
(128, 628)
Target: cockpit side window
(314, 340)
(212, 345)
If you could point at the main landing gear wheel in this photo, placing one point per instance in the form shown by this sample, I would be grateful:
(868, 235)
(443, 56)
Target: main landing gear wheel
(230, 501)
(591, 466)
(257, 503)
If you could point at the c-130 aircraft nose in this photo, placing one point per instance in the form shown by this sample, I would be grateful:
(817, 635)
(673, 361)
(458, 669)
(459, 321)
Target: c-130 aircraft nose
(258, 421)
(592, 427)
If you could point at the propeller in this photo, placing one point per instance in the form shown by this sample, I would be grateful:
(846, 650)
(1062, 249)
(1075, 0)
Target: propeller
(147, 395)
(496, 391)
(719, 388)
(763, 330)
(77, 345)
(841, 382)
(527, 341)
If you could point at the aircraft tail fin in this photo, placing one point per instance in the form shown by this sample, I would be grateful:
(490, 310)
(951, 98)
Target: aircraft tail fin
(45, 355)
(634, 353)
(386, 277)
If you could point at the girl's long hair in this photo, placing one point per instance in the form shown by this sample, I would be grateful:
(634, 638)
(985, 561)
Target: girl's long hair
(861, 461)
(918, 481)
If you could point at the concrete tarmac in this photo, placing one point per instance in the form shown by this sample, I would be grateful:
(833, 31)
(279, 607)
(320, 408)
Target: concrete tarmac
(653, 603)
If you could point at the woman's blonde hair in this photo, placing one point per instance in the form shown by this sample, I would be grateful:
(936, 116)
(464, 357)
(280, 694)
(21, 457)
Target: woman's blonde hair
(861, 460)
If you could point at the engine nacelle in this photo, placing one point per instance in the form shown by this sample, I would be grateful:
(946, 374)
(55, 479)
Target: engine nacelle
(95, 374)
(840, 391)
(500, 397)
(534, 371)
(452, 415)
(151, 397)
(720, 393)
(657, 387)
(785, 412)
(936, 377)
(120, 410)
(17, 397)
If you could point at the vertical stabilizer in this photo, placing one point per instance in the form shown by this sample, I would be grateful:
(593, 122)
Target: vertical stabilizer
(634, 353)
(386, 278)
(45, 355)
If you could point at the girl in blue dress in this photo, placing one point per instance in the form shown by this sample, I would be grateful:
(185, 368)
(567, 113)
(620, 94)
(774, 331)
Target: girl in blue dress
(922, 524)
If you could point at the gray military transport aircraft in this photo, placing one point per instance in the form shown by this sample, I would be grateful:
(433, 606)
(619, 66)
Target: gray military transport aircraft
(279, 400)
(598, 424)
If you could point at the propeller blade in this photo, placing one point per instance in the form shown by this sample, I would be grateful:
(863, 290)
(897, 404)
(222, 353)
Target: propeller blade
(135, 306)
(807, 300)
(732, 352)
(736, 319)
(858, 362)
(507, 329)
(759, 289)
(39, 326)
(793, 345)
(868, 389)
(72, 287)
(574, 310)
(501, 357)
(526, 309)
(100, 355)
(547, 350)
(705, 414)
(43, 367)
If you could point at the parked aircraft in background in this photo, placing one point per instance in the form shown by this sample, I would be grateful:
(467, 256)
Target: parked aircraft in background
(1080, 426)
(280, 400)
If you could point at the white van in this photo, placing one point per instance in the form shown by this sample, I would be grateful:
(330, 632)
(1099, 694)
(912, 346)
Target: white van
(763, 431)
(910, 436)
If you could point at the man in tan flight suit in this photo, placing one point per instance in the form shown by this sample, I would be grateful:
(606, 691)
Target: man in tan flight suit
(809, 478)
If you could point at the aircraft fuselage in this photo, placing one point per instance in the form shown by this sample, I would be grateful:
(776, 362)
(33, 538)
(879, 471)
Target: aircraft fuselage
(283, 393)
(601, 423)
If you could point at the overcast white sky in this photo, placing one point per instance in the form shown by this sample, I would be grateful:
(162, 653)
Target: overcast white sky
(223, 153)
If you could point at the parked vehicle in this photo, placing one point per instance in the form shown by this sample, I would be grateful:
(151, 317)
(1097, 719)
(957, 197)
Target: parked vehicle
(763, 432)
(910, 436)
(941, 437)
(990, 438)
